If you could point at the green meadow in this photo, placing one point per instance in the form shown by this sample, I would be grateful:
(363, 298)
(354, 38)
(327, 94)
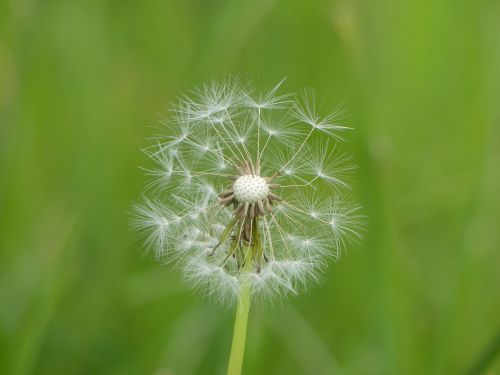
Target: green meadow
(84, 84)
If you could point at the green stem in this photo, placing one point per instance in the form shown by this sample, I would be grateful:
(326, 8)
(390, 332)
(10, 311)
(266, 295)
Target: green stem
(240, 322)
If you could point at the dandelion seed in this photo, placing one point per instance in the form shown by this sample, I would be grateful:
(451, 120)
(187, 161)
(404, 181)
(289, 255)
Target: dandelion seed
(249, 192)
(249, 196)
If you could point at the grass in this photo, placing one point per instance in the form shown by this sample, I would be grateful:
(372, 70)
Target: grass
(83, 83)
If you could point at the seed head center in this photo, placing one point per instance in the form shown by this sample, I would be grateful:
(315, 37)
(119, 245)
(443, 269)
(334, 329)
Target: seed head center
(250, 189)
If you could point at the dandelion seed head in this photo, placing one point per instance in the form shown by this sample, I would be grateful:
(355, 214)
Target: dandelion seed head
(248, 189)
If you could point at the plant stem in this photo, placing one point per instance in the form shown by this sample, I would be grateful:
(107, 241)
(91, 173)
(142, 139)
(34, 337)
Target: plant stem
(240, 322)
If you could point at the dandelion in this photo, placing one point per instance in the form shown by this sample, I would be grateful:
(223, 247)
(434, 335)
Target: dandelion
(249, 195)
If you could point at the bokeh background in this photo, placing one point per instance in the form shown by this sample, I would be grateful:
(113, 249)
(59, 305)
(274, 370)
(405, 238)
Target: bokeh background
(83, 83)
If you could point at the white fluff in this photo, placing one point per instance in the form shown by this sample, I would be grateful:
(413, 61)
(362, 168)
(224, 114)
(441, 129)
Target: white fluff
(216, 128)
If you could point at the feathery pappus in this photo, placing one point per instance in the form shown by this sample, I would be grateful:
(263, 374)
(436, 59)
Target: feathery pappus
(249, 188)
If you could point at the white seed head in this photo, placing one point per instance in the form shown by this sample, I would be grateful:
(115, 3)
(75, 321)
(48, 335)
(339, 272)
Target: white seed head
(248, 189)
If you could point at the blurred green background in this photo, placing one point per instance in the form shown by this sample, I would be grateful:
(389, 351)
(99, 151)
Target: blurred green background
(82, 85)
